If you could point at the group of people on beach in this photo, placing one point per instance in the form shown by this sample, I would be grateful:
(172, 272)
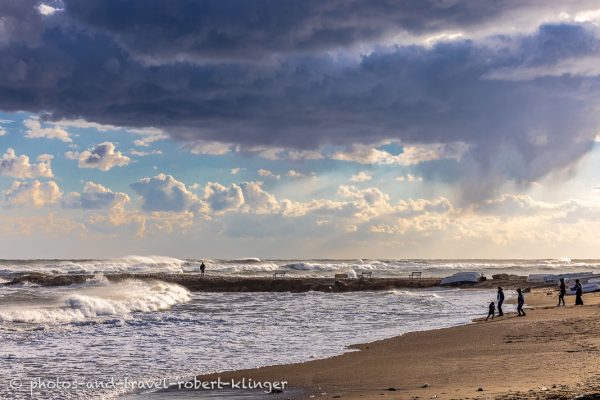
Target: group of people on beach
(500, 299)
(562, 291)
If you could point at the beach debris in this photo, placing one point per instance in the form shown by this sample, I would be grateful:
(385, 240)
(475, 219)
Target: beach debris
(480, 390)
(425, 385)
(392, 389)
(337, 396)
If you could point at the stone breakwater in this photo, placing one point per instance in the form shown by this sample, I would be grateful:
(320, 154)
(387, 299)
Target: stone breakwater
(194, 282)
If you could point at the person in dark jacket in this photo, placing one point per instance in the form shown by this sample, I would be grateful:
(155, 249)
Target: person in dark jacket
(492, 308)
(500, 298)
(562, 290)
(520, 303)
(578, 293)
(202, 268)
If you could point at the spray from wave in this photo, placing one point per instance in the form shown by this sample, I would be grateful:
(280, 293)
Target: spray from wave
(306, 268)
(99, 300)
(128, 264)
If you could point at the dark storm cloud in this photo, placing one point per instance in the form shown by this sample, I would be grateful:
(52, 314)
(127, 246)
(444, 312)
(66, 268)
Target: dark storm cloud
(247, 30)
(20, 21)
(86, 64)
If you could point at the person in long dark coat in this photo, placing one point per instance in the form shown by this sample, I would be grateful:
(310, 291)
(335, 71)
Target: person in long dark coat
(500, 298)
(578, 293)
(562, 291)
(520, 303)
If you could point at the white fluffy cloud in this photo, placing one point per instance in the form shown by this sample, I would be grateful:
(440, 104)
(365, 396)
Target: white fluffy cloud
(411, 154)
(245, 197)
(220, 198)
(149, 136)
(35, 131)
(257, 200)
(145, 153)
(265, 173)
(103, 156)
(165, 193)
(34, 193)
(365, 203)
(94, 197)
(362, 176)
(208, 148)
(20, 166)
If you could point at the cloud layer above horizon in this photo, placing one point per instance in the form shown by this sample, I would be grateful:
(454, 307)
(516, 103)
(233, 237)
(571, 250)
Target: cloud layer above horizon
(333, 112)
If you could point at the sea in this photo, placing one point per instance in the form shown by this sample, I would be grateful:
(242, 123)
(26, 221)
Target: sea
(134, 338)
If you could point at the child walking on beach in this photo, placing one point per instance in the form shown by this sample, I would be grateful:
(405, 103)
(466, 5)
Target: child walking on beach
(491, 312)
(520, 303)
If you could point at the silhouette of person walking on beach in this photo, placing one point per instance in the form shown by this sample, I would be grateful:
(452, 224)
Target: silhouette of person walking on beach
(500, 299)
(491, 311)
(561, 292)
(520, 303)
(202, 268)
(578, 293)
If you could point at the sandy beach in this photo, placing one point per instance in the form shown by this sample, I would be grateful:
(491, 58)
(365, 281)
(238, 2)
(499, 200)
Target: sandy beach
(552, 353)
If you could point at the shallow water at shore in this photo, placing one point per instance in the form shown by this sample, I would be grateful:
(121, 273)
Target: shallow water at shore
(113, 334)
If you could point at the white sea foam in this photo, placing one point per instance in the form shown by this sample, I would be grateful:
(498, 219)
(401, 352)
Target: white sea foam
(128, 264)
(258, 267)
(215, 331)
(118, 300)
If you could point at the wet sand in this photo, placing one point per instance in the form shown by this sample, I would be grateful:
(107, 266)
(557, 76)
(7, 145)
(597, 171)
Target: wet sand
(552, 353)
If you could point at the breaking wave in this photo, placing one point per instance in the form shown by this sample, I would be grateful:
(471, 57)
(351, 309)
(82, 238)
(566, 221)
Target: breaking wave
(100, 300)
(128, 264)
(309, 267)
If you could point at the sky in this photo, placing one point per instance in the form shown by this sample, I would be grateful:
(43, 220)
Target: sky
(300, 129)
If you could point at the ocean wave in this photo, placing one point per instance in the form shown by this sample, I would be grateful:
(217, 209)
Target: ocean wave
(136, 264)
(243, 260)
(312, 266)
(115, 300)
(127, 264)
(241, 268)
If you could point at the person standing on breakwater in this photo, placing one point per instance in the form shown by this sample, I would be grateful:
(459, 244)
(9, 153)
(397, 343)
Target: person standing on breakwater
(500, 299)
(578, 293)
(202, 268)
(562, 290)
(520, 303)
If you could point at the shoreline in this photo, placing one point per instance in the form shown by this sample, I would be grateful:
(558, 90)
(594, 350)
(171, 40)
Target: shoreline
(552, 353)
